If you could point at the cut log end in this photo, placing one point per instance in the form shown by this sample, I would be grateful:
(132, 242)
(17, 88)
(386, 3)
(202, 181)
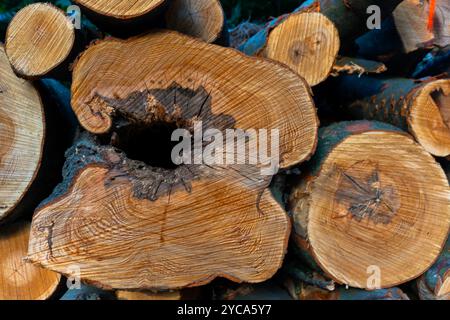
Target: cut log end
(121, 9)
(430, 117)
(306, 42)
(20, 280)
(21, 136)
(203, 19)
(39, 38)
(376, 203)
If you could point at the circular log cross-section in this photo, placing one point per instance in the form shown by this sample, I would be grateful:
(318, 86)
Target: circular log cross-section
(160, 225)
(307, 42)
(21, 137)
(373, 203)
(20, 280)
(204, 19)
(39, 39)
(121, 9)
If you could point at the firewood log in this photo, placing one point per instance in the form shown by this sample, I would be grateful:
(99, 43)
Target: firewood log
(435, 283)
(204, 19)
(411, 20)
(421, 107)
(41, 41)
(348, 65)
(20, 280)
(372, 209)
(186, 294)
(133, 219)
(306, 41)
(350, 16)
(302, 291)
(123, 18)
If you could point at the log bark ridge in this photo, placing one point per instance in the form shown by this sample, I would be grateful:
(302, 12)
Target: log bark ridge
(371, 200)
(421, 107)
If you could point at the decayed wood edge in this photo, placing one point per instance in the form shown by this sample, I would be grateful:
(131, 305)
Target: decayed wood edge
(306, 156)
(126, 27)
(74, 167)
(60, 126)
(348, 65)
(312, 171)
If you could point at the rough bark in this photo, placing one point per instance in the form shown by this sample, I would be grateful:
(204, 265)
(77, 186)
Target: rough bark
(418, 106)
(20, 280)
(160, 226)
(306, 41)
(371, 197)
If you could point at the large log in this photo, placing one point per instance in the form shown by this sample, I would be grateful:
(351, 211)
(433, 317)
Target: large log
(371, 202)
(157, 225)
(306, 41)
(20, 280)
(420, 106)
(204, 19)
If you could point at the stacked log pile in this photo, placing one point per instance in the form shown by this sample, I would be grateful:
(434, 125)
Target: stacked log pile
(97, 201)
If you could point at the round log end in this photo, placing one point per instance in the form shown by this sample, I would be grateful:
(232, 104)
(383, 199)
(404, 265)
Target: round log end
(39, 38)
(429, 118)
(378, 210)
(21, 136)
(306, 42)
(121, 9)
(20, 280)
(204, 19)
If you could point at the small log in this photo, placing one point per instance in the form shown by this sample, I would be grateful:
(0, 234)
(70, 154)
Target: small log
(20, 280)
(371, 200)
(302, 291)
(124, 18)
(348, 65)
(203, 19)
(43, 43)
(350, 16)
(155, 220)
(420, 106)
(306, 41)
(435, 283)
(411, 20)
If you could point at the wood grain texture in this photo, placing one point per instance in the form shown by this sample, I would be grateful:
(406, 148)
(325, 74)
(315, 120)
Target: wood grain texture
(306, 41)
(20, 280)
(21, 136)
(121, 9)
(372, 197)
(204, 19)
(134, 224)
(39, 39)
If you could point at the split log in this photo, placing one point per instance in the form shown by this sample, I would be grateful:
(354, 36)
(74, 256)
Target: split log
(39, 39)
(412, 22)
(158, 225)
(350, 16)
(305, 41)
(301, 291)
(20, 280)
(347, 65)
(371, 202)
(421, 107)
(203, 19)
(124, 18)
(435, 283)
